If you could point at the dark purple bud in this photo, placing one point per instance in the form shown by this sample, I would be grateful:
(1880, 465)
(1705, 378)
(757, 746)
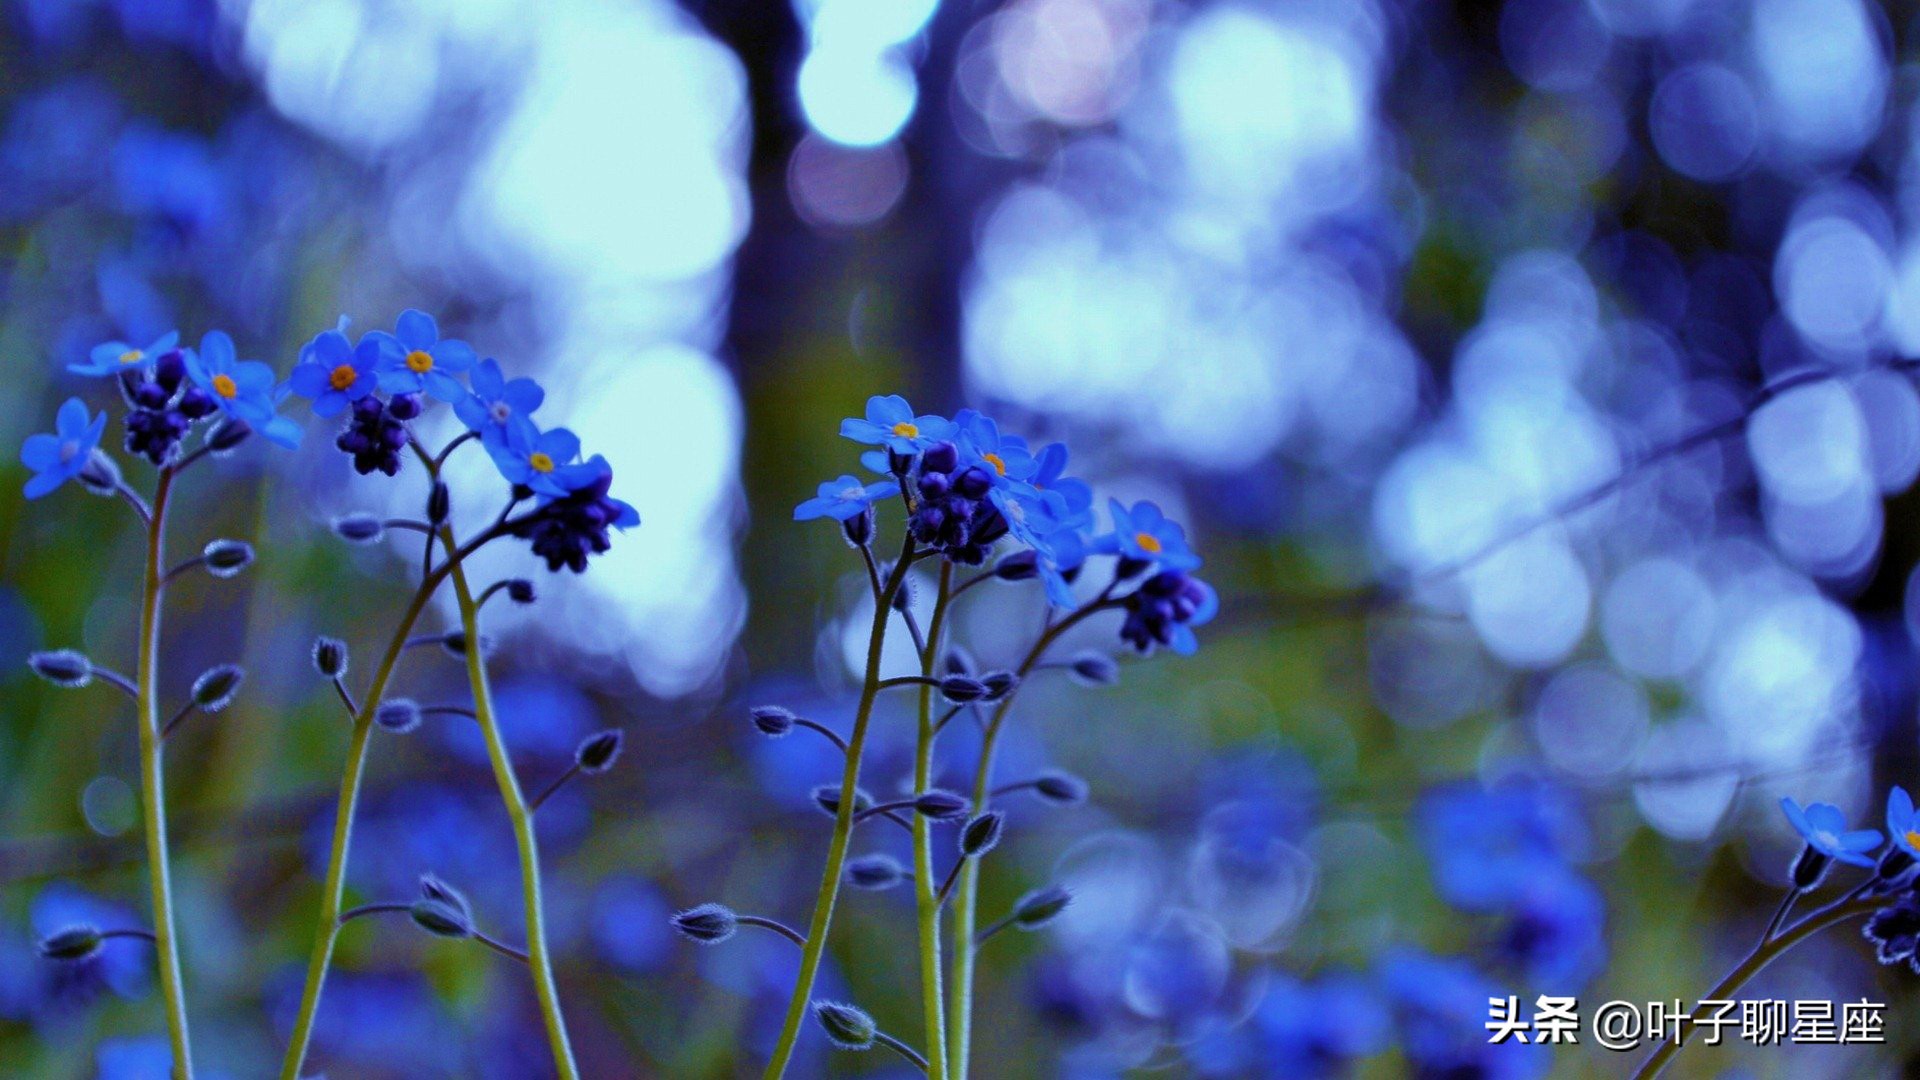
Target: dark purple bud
(598, 751)
(405, 406)
(441, 919)
(432, 888)
(439, 501)
(169, 368)
(225, 558)
(71, 943)
(939, 805)
(1020, 566)
(772, 720)
(847, 1027)
(64, 668)
(959, 661)
(398, 715)
(1094, 668)
(962, 689)
(980, 835)
(1060, 788)
(215, 687)
(973, 482)
(520, 591)
(827, 797)
(875, 872)
(935, 485)
(1040, 907)
(196, 404)
(941, 457)
(329, 657)
(708, 924)
(358, 528)
(999, 684)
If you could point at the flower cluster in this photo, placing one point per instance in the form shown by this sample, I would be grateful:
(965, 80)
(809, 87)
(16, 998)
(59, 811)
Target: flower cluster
(385, 380)
(967, 486)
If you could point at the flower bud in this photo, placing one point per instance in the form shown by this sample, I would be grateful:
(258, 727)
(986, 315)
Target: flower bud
(405, 406)
(455, 642)
(358, 528)
(941, 457)
(71, 943)
(597, 752)
(520, 591)
(858, 529)
(938, 805)
(440, 918)
(215, 687)
(63, 668)
(875, 872)
(708, 924)
(1060, 788)
(773, 721)
(999, 684)
(1129, 567)
(329, 657)
(981, 834)
(439, 503)
(398, 715)
(902, 598)
(101, 475)
(1040, 907)
(1894, 863)
(230, 434)
(847, 1027)
(1092, 668)
(1020, 566)
(432, 888)
(1810, 868)
(827, 796)
(225, 558)
(899, 464)
(962, 689)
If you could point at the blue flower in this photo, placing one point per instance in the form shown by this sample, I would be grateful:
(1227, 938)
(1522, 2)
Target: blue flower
(981, 440)
(243, 389)
(1165, 609)
(891, 423)
(1046, 522)
(334, 372)
(115, 357)
(1485, 845)
(497, 404)
(1903, 823)
(58, 458)
(1048, 466)
(1824, 828)
(544, 461)
(1442, 1009)
(417, 358)
(1557, 933)
(570, 529)
(1145, 535)
(843, 498)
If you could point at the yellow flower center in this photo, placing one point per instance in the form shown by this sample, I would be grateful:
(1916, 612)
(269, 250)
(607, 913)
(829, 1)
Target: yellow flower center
(1913, 838)
(907, 429)
(132, 356)
(999, 463)
(419, 361)
(1148, 542)
(342, 377)
(225, 386)
(541, 463)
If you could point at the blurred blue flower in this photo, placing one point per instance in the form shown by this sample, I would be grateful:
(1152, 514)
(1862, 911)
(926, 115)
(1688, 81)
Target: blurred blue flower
(1165, 609)
(1824, 827)
(1049, 463)
(58, 458)
(498, 404)
(630, 924)
(122, 967)
(1557, 932)
(843, 498)
(1441, 1006)
(1144, 534)
(333, 372)
(417, 358)
(172, 177)
(1903, 824)
(114, 357)
(891, 423)
(1311, 1030)
(1487, 845)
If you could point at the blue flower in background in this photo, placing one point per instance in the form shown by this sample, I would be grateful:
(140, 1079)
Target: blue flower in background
(1824, 828)
(333, 372)
(1049, 463)
(1310, 1030)
(498, 405)
(58, 458)
(1903, 824)
(1487, 845)
(417, 358)
(545, 461)
(981, 440)
(1557, 932)
(114, 357)
(1144, 534)
(843, 498)
(891, 423)
(123, 970)
(1165, 609)
(243, 389)
(1441, 1006)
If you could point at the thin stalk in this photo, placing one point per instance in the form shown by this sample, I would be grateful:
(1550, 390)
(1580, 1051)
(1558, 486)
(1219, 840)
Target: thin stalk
(903, 1050)
(153, 785)
(829, 891)
(538, 957)
(966, 902)
(1762, 955)
(774, 925)
(926, 899)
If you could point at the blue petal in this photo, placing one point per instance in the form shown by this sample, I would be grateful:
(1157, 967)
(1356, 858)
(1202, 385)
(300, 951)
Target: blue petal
(40, 452)
(487, 380)
(416, 329)
(560, 444)
(216, 350)
(72, 420)
(524, 395)
(44, 484)
(1796, 817)
(887, 411)
(455, 356)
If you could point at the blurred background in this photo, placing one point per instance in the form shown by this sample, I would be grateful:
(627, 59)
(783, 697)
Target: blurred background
(1444, 326)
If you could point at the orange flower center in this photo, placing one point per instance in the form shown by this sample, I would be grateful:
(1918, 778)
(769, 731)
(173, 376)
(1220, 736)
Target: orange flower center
(541, 463)
(1913, 838)
(342, 377)
(1148, 542)
(225, 386)
(419, 362)
(906, 429)
(132, 356)
(999, 463)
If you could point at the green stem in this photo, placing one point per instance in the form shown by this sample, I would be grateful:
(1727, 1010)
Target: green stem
(965, 913)
(927, 901)
(153, 784)
(539, 958)
(1762, 955)
(829, 892)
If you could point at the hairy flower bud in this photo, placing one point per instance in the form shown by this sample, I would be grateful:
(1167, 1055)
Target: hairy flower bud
(358, 528)
(981, 834)
(827, 797)
(1040, 907)
(1020, 566)
(1092, 668)
(875, 872)
(432, 888)
(62, 667)
(1809, 869)
(520, 591)
(225, 558)
(1060, 788)
(215, 687)
(999, 684)
(439, 503)
(398, 715)
(329, 657)
(597, 752)
(858, 529)
(101, 475)
(71, 943)
(708, 924)
(230, 434)
(440, 918)
(939, 805)
(962, 689)
(847, 1027)
(773, 721)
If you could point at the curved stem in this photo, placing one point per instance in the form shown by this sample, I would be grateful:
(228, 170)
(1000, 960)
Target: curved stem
(774, 925)
(538, 957)
(927, 900)
(153, 785)
(147, 936)
(903, 1050)
(1762, 955)
(965, 913)
(829, 892)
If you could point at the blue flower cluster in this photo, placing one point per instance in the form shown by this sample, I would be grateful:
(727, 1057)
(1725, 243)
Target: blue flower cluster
(967, 486)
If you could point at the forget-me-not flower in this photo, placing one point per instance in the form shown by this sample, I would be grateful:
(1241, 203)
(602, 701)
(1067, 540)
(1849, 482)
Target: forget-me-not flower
(890, 422)
(843, 498)
(114, 357)
(498, 403)
(334, 372)
(1146, 535)
(417, 358)
(243, 389)
(981, 440)
(1824, 827)
(1903, 823)
(61, 456)
(545, 461)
